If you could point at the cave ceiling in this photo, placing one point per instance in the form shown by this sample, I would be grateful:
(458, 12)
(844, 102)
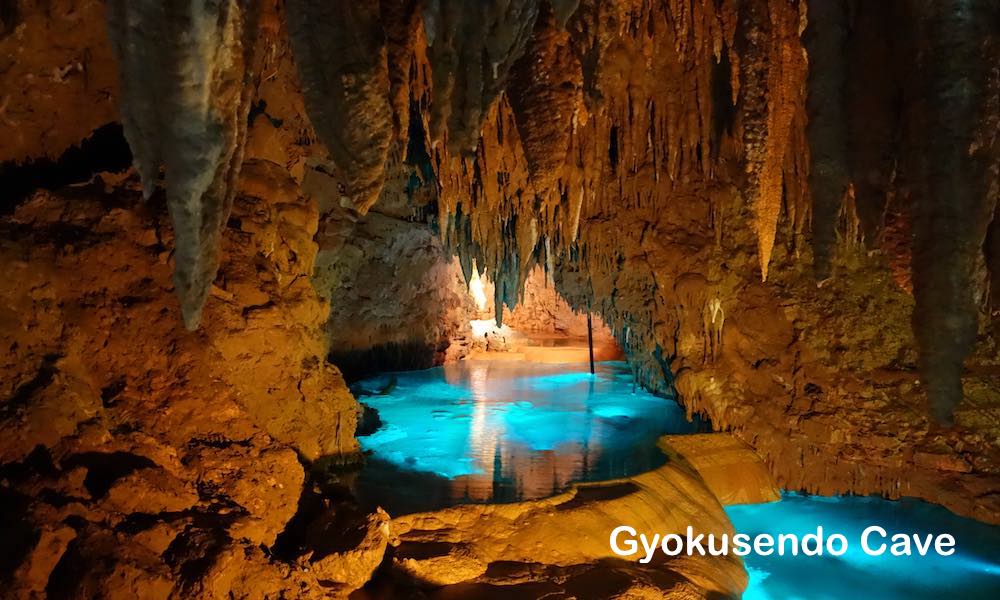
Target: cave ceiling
(524, 116)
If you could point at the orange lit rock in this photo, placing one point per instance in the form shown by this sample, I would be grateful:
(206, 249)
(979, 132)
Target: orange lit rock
(728, 466)
(570, 532)
(194, 438)
(650, 158)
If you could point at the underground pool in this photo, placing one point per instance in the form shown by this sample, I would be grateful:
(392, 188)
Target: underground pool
(501, 431)
(971, 573)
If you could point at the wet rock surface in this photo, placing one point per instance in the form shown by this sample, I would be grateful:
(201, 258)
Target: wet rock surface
(557, 544)
(729, 467)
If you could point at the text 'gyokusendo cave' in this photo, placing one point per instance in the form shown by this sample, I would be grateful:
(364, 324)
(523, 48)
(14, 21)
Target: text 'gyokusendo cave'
(424, 298)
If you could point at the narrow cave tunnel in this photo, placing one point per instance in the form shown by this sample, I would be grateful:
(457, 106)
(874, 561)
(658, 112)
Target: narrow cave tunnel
(444, 299)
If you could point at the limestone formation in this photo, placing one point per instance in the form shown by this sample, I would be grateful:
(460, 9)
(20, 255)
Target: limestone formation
(955, 153)
(340, 52)
(472, 544)
(729, 467)
(687, 171)
(185, 75)
(471, 48)
(826, 42)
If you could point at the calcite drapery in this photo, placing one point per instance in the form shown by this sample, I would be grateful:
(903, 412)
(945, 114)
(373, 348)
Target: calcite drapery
(185, 72)
(340, 52)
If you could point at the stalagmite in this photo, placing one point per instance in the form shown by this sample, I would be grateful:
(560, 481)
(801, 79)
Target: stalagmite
(340, 52)
(185, 83)
(955, 157)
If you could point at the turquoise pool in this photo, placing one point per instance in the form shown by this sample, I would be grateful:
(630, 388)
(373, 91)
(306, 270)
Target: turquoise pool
(971, 573)
(507, 431)
(498, 431)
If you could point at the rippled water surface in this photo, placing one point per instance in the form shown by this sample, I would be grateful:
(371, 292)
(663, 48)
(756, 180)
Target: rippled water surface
(496, 431)
(972, 573)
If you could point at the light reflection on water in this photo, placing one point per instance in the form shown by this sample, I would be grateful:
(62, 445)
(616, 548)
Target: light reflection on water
(499, 431)
(972, 573)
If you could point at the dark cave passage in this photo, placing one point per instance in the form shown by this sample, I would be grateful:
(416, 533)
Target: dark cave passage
(105, 150)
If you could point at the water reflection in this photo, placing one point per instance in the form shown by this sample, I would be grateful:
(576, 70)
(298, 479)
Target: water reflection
(482, 431)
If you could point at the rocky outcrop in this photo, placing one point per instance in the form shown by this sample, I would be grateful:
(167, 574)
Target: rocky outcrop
(139, 458)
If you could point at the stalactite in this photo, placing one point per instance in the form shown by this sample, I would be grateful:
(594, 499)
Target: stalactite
(952, 207)
(545, 90)
(826, 41)
(877, 50)
(340, 52)
(185, 84)
(472, 48)
(772, 74)
(401, 19)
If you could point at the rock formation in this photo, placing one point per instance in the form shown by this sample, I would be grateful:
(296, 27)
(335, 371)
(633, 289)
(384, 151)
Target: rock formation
(689, 171)
(549, 546)
(185, 83)
(954, 169)
(340, 51)
(388, 253)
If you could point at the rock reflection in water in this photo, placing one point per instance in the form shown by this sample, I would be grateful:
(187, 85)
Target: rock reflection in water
(507, 431)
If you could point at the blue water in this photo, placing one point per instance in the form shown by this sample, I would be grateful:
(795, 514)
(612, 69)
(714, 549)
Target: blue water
(971, 573)
(499, 431)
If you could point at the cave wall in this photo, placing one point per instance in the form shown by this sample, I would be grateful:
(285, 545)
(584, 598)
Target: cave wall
(654, 158)
(41, 79)
(543, 313)
(140, 459)
(398, 299)
(132, 449)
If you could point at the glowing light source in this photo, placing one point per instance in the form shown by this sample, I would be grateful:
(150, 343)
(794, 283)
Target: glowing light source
(476, 289)
(481, 327)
